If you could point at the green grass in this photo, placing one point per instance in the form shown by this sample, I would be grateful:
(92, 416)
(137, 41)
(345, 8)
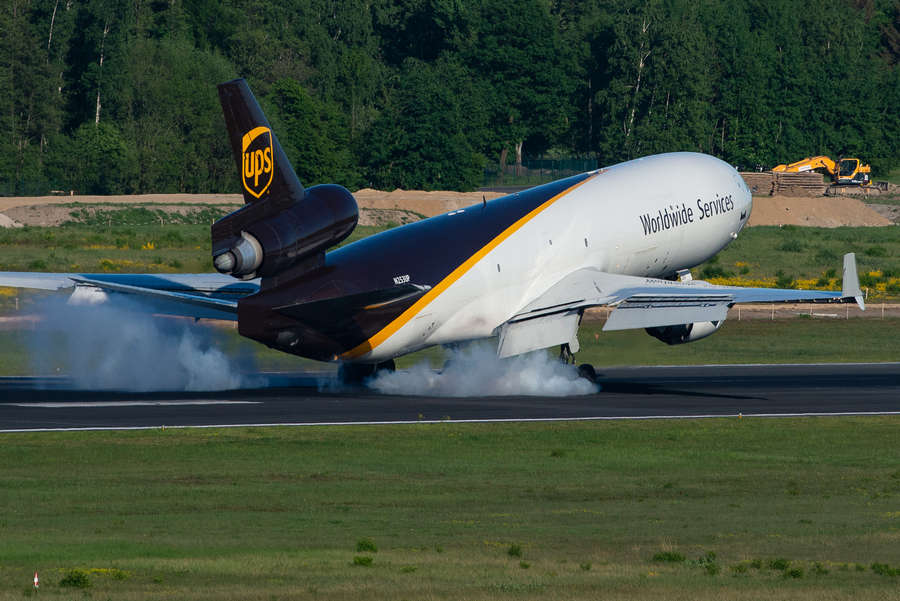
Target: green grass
(119, 248)
(893, 176)
(253, 513)
(802, 253)
(146, 247)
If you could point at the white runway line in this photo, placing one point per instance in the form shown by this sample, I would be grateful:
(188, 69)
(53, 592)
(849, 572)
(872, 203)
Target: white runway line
(87, 404)
(465, 421)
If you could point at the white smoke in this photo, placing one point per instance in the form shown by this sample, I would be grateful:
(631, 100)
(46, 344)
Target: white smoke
(118, 345)
(476, 371)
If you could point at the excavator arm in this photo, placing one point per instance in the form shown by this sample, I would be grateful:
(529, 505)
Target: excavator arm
(809, 164)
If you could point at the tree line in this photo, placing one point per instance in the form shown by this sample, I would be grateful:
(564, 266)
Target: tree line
(117, 96)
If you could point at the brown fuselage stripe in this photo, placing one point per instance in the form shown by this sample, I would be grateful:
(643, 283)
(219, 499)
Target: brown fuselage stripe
(454, 275)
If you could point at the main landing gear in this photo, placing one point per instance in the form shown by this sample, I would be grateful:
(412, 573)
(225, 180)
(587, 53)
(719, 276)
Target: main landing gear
(585, 370)
(355, 374)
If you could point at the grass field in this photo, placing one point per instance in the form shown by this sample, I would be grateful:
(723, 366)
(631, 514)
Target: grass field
(133, 242)
(893, 176)
(694, 509)
(808, 258)
(800, 340)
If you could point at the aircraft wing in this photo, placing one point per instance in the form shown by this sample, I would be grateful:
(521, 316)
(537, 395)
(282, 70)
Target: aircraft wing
(641, 302)
(200, 295)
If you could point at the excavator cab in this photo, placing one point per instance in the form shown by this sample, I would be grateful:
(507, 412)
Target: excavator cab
(851, 172)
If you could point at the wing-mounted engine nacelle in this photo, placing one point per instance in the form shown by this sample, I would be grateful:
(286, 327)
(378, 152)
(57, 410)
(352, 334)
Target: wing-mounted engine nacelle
(687, 332)
(263, 240)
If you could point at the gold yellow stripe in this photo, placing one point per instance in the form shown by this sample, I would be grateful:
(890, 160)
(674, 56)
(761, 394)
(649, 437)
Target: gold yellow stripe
(457, 273)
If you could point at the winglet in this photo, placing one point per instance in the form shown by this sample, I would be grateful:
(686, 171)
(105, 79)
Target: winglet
(850, 287)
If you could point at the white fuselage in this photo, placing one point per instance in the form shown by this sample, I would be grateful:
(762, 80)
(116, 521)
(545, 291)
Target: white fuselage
(648, 217)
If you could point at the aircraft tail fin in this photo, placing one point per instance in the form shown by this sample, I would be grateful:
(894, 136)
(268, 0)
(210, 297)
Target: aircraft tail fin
(265, 172)
(281, 228)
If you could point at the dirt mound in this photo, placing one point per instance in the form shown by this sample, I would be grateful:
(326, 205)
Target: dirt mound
(6, 221)
(815, 212)
(891, 212)
(406, 201)
(428, 204)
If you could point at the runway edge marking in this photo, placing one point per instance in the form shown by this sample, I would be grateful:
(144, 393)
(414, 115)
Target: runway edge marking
(459, 421)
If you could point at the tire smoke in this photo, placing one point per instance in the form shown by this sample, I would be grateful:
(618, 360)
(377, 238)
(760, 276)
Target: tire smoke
(476, 371)
(118, 345)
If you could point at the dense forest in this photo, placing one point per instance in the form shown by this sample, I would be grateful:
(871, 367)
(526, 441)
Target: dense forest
(119, 96)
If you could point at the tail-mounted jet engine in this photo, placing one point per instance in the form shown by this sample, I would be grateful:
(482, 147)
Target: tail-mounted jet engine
(282, 226)
(688, 332)
(247, 245)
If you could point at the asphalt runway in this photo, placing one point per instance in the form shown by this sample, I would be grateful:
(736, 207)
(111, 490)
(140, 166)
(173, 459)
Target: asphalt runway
(627, 393)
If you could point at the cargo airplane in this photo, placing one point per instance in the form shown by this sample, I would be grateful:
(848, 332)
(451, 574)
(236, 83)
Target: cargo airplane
(522, 268)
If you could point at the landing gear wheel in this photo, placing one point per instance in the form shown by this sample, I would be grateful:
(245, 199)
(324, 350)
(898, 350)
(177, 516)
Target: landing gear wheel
(566, 356)
(586, 371)
(354, 374)
(388, 365)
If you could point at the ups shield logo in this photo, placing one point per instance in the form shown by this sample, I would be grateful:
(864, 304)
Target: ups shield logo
(258, 161)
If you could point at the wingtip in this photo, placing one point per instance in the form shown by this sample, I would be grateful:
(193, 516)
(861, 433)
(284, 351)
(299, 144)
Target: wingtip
(850, 286)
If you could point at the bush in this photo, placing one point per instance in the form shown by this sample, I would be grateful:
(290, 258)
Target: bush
(779, 564)
(362, 560)
(826, 255)
(714, 271)
(791, 246)
(794, 573)
(366, 545)
(514, 550)
(819, 569)
(708, 563)
(883, 569)
(76, 579)
(668, 557)
(783, 280)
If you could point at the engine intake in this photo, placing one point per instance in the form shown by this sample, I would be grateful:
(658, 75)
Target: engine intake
(687, 332)
(257, 241)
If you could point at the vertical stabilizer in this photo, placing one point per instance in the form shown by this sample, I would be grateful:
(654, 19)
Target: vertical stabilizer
(265, 173)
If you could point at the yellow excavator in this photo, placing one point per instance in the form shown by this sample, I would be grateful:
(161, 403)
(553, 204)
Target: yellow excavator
(845, 172)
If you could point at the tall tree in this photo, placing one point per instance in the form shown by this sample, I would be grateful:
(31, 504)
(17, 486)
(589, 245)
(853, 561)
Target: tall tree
(515, 49)
(423, 137)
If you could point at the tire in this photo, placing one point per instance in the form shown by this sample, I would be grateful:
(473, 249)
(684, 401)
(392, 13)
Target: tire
(354, 374)
(586, 371)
